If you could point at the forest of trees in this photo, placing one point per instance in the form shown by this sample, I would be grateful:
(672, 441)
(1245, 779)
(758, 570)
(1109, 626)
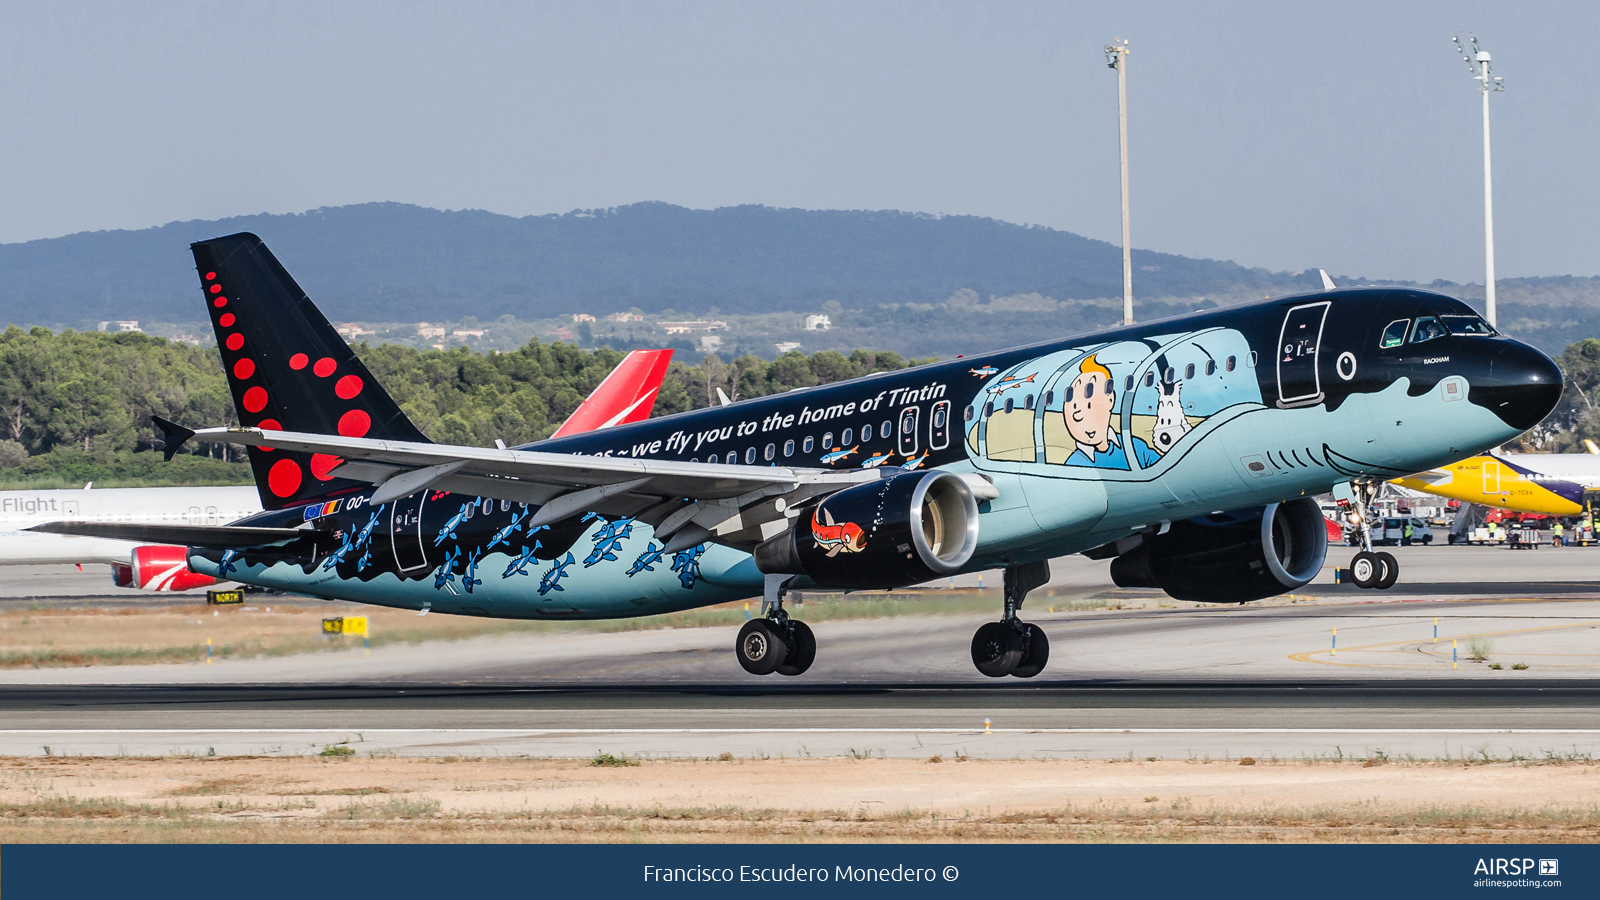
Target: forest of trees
(77, 405)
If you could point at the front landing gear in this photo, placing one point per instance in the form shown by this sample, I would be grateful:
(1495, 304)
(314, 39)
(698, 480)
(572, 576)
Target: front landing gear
(1368, 569)
(775, 642)
(1011, 646)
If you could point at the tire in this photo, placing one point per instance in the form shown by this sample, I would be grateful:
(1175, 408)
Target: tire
(1038, 653)
(804, 651)
(1365, 569)
(1391, 571)
(760, 649)
(996, 649)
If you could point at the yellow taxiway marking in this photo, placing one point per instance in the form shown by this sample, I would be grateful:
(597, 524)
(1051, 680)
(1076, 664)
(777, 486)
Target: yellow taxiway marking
(1308, 655)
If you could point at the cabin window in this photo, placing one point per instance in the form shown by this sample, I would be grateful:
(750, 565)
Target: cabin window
(1049, 398)
(694, 459)
(1170, 375)
(750, 456)
(1027, 402)
(771, 452)
(808, 445)
(1211, 367)
(733, 457)
(1252, 359)
(788, 447)
(1394, 334)
(1010, 404)
(845, 438)
(1466, 325)
(988, 409)
(505, 505)
(470, 509)
(1149, 381)
(970, 414)
(1188, 372)
(1427, 329)
(866, 432)
(1127, 385)
(1069, 394)
(827, 440)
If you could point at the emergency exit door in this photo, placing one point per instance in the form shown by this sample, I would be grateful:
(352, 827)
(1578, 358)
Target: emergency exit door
(405, 532)
(1298, 345)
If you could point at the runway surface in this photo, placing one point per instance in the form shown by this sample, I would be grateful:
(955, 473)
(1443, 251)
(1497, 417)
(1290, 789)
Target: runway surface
(1259, 680)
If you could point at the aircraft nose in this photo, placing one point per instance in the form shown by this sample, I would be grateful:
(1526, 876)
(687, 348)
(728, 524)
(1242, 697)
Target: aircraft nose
(1522, 386)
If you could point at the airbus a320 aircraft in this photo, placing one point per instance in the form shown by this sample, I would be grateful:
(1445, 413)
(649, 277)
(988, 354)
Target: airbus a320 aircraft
(1183, 449)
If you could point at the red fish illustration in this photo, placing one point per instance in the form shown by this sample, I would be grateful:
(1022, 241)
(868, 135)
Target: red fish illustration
(843, 538)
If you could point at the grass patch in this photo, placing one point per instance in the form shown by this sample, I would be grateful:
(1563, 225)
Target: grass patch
(337, 751)
(606, 759)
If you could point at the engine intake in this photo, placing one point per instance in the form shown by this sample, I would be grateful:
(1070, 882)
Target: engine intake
(1231, 557)
(902, 530)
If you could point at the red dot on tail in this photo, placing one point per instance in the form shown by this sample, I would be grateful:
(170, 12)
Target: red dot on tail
(354, 423)
(220, 302)
(348, 387)
(283, 479)
(244, 368)
(298, 361)
(270, 425)
(216, 289)
(235, 340)
(324, 367)
(322, 465)
(226, 320)
(211, 276)
(255, 399)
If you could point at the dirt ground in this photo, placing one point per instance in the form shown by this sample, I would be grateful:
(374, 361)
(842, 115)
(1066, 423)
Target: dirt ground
(360, 799)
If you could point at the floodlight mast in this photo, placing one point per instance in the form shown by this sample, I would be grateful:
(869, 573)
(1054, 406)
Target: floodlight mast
(1117, 58)
(1478, 64)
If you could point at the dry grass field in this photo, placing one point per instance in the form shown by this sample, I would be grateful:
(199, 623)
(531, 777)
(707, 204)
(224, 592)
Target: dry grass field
(341, 798)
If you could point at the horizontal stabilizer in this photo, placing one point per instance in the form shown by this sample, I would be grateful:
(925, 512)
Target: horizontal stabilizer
(217, 537)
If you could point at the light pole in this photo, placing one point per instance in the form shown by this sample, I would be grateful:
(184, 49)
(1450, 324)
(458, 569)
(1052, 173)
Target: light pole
(1117, 58)
(1478, 63)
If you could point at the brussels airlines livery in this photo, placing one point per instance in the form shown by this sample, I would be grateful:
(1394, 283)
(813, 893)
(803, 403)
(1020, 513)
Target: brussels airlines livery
(1183, 449)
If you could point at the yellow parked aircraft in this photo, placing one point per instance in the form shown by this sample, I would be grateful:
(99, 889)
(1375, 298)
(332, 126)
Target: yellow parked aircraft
(1549, 483)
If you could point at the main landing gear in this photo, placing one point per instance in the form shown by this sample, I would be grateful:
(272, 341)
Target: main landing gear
(775, 642)
(1012, 646)
(1368, 569)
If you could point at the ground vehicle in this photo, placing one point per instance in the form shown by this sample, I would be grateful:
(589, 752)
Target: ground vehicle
(1393, 534)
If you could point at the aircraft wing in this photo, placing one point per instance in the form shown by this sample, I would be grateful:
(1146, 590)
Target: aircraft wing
(686, 503)
(221, 537)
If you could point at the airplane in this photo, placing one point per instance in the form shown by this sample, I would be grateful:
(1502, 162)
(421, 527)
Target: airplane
(627, 394)
(1283, 399)
(1553, 484)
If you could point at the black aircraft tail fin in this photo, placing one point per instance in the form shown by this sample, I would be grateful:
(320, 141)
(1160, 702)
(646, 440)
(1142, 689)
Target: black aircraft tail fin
(288, 370)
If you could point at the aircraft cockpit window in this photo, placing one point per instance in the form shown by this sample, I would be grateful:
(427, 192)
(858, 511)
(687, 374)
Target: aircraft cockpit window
(1395, 334)
(1467, 325)
(1427, 329)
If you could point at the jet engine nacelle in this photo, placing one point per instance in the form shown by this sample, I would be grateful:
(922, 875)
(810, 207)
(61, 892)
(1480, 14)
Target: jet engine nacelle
(1231, 557)
(159, 568)
(902, 530)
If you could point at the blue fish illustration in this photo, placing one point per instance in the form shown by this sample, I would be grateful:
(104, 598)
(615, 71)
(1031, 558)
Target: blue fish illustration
(646, 561)
(338, 555)
(446, 573)
(519, 566)
(608, 540)
(687, 564)
(876, 460)
(1009, 382)
(916, 462)
(470, 578)
(448, 532)
(503, 536)
(364, 561)
(984, 372)
(229, 557)
(552, 578)
(356, 541)
(837, 454)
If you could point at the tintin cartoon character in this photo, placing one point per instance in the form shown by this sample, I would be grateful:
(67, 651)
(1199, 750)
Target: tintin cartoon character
(1090, 405)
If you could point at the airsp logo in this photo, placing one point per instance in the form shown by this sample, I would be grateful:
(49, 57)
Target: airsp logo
(1501, 866)
(1549, 867)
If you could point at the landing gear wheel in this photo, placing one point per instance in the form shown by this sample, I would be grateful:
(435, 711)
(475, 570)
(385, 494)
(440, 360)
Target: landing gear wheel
(802, 653)
(996, 649)
(1365, 569)
(1036, 656)
(760, 647)
(1391, 570)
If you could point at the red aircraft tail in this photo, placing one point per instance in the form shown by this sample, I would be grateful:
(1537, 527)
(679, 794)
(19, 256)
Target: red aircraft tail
(626, 395)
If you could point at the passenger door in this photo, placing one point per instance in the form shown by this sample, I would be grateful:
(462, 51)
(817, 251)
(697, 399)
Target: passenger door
(1298, 342)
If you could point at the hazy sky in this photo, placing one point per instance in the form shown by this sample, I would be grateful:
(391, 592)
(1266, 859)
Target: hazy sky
(1342, 135)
